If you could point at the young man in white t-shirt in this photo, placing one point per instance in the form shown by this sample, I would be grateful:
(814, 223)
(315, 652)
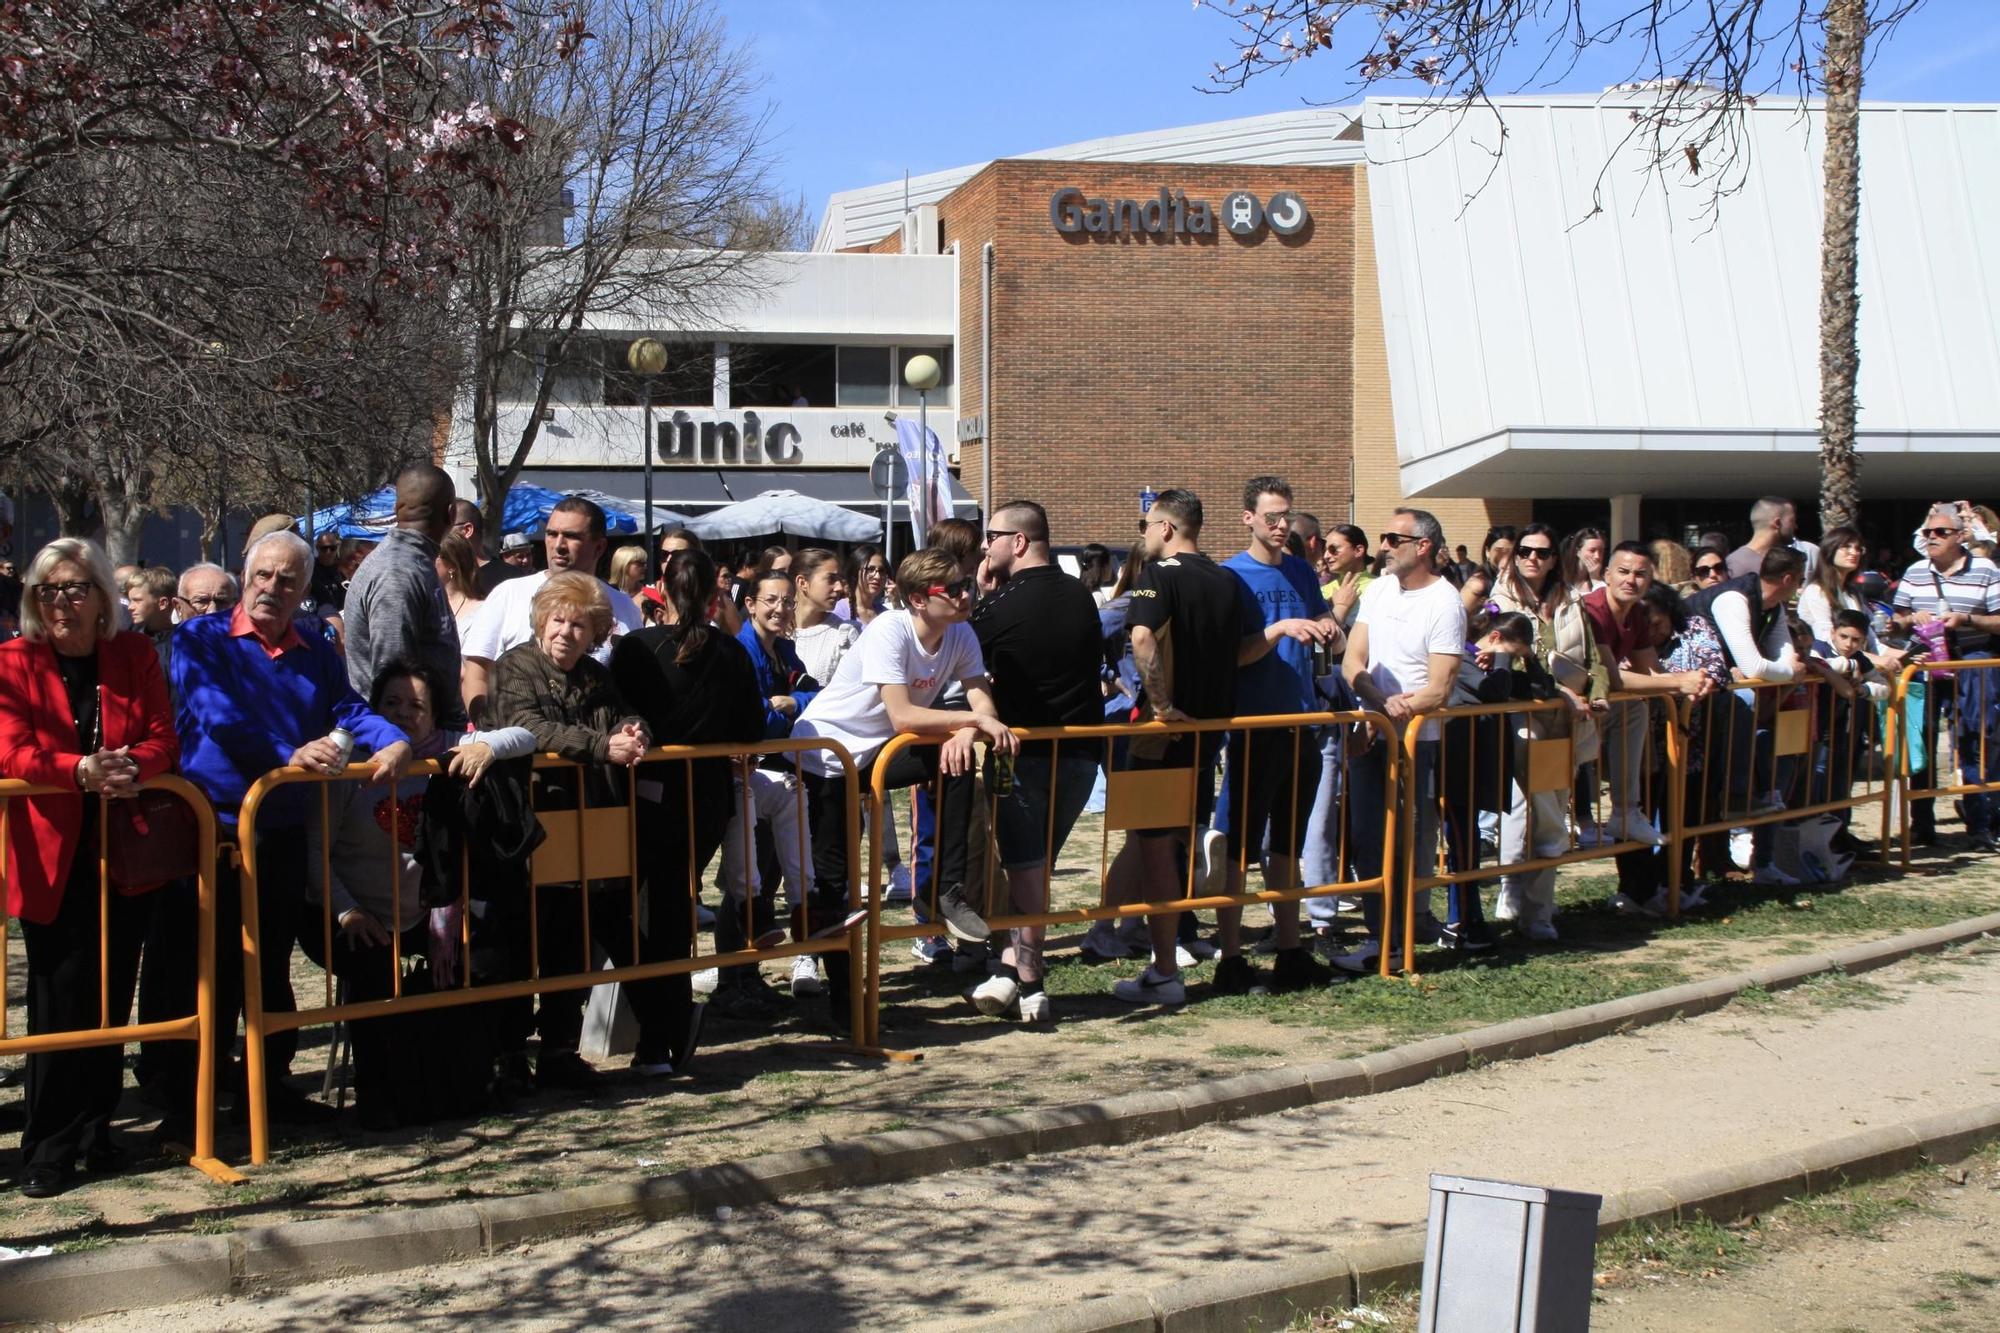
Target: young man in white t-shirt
(1402, 657)
(886, 685)
(573, 539)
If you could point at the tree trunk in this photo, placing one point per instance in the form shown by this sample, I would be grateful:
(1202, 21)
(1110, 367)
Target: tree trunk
(1846, 27)
(72, 498)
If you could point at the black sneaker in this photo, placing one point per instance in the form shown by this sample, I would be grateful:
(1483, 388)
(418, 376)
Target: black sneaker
(1234, 976)
(959, 918)
(750, 997)
(1467, 937)
(513, 1078)
(1296, 970)
(565, 1069)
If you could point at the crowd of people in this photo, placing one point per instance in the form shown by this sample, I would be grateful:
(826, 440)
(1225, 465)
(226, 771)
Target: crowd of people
(412, 644)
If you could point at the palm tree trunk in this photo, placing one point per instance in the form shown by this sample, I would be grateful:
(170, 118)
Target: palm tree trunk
(1846, 28)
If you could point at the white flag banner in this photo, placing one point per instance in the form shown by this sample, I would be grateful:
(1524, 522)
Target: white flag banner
(923, 455)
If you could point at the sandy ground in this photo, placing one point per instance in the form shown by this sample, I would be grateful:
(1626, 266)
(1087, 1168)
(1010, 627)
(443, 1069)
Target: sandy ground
(1619, 1113)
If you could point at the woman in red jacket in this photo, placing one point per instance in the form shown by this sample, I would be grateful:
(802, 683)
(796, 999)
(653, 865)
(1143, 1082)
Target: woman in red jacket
(82, 707)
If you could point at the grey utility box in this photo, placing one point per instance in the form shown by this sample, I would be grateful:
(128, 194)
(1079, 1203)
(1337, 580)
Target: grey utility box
(1504, 1258)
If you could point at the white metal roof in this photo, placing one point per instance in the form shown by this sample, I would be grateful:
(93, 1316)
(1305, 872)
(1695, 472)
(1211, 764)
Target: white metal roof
(1537, 350)
(1287, 138)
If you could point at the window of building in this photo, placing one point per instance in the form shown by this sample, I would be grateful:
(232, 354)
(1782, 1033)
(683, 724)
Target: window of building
(940, 396)
(688, 380)
(767, 375)
(865, 376)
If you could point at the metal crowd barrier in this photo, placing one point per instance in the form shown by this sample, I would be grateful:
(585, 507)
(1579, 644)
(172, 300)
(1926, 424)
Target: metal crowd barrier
(591, 843)
(1951, 689)
(1135, 799)
(198, 1027)
(1800, 746)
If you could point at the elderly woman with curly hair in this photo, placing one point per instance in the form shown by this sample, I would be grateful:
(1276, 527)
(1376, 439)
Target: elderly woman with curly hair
(553, 687)
(83, 708)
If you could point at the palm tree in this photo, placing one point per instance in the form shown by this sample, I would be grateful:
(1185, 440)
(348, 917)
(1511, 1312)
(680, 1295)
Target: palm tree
(1846, 29)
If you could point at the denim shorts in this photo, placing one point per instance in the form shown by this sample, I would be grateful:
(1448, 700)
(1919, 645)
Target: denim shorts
(1021, 818)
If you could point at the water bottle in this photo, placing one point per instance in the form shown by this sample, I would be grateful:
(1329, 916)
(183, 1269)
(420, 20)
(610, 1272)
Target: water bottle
(343, 739)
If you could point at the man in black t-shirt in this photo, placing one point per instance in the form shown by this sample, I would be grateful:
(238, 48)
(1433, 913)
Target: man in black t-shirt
(1192, 624)
(1038, 631)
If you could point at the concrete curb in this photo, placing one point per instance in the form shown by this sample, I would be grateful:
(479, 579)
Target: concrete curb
(165, 1272)
(1267, 1296)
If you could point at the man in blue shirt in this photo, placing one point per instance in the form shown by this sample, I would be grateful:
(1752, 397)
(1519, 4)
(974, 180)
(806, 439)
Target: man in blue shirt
(1272, 775)
(252, 694)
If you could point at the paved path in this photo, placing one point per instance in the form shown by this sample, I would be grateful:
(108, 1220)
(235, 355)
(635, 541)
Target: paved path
(1627, 1111)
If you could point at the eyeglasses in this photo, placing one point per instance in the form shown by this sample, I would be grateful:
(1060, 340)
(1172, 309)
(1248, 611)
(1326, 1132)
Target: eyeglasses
(49, 593)
(221, 601)
(962, 588)
(993, 533)
(1533, 552)
(1709, 571)
(1395, 539)
(328, 548)
(1276, 519)
(1941, 532)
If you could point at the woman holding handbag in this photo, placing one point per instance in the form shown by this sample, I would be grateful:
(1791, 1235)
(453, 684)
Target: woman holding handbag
(83, 707)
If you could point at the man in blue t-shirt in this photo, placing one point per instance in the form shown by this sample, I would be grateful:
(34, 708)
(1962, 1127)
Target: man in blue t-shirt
(1271, 774)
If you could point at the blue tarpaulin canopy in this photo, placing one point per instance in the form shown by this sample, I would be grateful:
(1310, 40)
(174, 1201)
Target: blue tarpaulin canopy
(527, 510)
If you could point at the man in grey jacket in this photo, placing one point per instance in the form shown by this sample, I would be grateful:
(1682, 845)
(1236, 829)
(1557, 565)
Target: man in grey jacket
(396, 609)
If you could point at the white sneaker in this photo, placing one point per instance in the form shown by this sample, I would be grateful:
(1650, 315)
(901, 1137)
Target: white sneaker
(899, 885)
(1632, 826)
(1214, 862)
(1036, 1008)
(1507, 907)
(1360, 961)
(1149, 987)
(706, 980)
(994, 996)
(1103, 940)
(1183, 957)
(928, 949)
(805, 976)
(1773, 875)
(1741, 848)
(1541, 932)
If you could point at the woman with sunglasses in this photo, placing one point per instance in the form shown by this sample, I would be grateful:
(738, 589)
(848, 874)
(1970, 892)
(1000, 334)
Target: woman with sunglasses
(1534, 825)
(1710, 568)
(83, 709)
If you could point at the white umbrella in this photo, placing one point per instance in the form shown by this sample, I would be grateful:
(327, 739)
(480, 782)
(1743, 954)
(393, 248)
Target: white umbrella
(663, 517)
(787, 512)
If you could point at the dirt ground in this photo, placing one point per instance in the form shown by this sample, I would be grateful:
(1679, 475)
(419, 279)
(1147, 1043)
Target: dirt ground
(1775, 1074)
(771, 1086)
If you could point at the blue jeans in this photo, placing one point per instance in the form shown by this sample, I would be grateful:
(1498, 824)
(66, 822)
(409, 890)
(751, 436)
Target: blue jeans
(1977, 731)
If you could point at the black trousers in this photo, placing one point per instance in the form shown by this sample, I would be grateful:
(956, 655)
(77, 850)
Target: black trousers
(167, 991)
(281, 879)
(72, 1095)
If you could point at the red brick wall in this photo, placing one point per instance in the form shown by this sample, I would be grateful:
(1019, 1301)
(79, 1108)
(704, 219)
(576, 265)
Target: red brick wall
(1127, 360)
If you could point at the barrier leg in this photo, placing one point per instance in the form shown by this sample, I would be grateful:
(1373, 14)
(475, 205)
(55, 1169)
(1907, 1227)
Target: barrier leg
(204, 1159)
(253, 1009)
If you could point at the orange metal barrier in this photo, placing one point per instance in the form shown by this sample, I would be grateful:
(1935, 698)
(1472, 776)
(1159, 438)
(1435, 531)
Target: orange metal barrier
(1971, 684)
(591, 843)
(1799, 718)
(1135, 799)
(198, 1027)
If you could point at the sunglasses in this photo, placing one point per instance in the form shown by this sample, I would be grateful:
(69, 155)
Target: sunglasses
(1395, 539)
(49, 593)
(1709, 571)
(1941, 532)
(994, 534)
(961, 588)
(1533, 552)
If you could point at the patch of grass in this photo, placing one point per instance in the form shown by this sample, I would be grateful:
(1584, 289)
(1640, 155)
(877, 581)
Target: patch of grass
(1837, 990)
(1937, 1305)
(891, 1126)
(1754, 996)
(1231, 1051)
(1960, 1280)
(1861, 1211)
(1698, 1248)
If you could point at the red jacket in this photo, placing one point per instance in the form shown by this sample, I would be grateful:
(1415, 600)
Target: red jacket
(39, 744)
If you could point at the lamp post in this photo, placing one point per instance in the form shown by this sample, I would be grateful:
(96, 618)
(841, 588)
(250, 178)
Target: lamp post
(922, 373)
(647, 357)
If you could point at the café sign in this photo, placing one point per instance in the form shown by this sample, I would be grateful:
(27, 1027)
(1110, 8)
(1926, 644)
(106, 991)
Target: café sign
(1172, 213)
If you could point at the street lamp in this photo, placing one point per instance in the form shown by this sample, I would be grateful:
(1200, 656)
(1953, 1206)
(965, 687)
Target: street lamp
(647, 357)
(922, 373)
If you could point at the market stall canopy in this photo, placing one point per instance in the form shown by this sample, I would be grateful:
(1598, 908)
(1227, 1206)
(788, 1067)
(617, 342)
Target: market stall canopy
(529, 506)
(785, 512)
(370, 516)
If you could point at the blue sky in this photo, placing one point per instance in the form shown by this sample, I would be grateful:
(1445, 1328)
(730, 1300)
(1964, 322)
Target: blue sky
(860, 90)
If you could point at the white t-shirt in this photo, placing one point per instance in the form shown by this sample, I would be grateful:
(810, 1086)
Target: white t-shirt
(822, 646)
(1404, 629)
(501, 622)
(850, 709)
